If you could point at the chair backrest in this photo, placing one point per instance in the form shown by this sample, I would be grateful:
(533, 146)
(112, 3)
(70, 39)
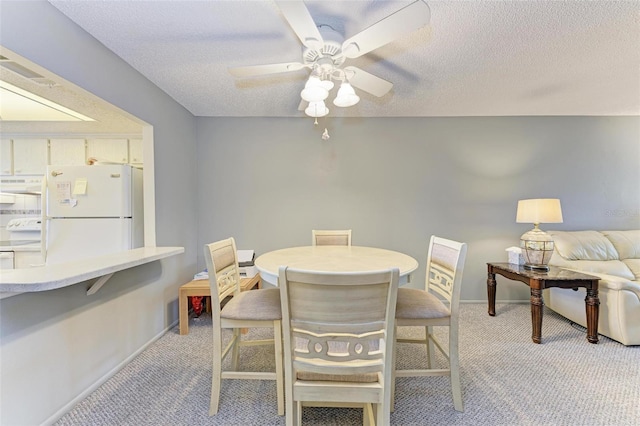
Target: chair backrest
(445, 264)
(331, 237)
(338, 323)
(224, 274)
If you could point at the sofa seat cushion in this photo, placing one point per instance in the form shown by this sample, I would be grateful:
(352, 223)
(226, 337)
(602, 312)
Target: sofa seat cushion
(616, 268)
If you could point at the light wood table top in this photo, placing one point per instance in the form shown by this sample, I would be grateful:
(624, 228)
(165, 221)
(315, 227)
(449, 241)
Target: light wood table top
(203, 288)
(334, 259)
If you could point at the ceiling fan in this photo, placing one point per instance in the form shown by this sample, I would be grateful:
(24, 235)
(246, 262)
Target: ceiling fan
(325, 51)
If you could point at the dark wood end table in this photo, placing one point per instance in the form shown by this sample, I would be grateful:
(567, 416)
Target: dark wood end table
(538, 281)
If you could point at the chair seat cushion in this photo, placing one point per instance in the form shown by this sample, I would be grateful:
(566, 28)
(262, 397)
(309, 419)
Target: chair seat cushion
(261, 305)
(352, 378)
(419, 304)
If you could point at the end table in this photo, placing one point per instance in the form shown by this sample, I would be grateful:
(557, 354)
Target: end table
(538, 281)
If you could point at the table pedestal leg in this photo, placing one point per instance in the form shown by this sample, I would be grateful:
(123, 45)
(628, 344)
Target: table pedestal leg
(592, 303)
(536, 315)
(491, 293)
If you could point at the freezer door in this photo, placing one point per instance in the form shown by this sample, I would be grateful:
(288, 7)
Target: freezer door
(76, 239)
(89, 191)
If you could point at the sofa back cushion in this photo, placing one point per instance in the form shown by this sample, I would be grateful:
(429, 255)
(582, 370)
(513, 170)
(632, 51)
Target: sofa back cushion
(589, 251)
(583, 245)
(634, 267)
(627, 243)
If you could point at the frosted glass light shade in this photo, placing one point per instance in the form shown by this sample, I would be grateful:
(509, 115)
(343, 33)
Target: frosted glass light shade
(314, 90)
(346, 96)
(316, 109)
(314, 94)
(327, 84)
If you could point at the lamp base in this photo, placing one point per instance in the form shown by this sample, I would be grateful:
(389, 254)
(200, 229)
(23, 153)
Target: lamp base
(533, 267)
(537, 248)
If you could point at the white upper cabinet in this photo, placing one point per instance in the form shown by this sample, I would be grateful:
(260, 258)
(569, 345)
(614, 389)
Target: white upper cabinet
(135, 151)
(108, 150)
(67, 152)
(6, 157)
(30, 156)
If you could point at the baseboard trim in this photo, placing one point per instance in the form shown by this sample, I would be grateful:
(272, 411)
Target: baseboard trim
(497, 301)
(66, 408)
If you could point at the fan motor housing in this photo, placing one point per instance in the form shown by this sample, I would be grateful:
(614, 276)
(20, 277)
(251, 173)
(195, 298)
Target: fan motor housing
(331, 49)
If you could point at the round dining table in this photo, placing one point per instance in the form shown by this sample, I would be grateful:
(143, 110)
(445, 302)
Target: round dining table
(334, 259)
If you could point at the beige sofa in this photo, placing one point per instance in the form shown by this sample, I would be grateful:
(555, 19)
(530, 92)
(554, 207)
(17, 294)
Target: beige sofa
(614, 256)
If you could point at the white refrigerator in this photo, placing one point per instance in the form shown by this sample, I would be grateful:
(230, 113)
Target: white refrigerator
(90, 211)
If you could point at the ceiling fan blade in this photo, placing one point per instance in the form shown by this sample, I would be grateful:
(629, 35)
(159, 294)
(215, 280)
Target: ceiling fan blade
(256, 70)
(299, 18)
(368, 82)
(406, 20)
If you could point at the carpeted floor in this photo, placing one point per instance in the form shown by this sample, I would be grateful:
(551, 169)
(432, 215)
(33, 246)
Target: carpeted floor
(506, 380)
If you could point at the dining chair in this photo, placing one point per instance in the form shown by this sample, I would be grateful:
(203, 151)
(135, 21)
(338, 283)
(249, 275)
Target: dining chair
(331, 237)
(436, 305)
(250, 309)
(338, 340)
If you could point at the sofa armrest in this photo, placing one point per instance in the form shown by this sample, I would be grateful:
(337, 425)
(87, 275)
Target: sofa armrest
(614, 283)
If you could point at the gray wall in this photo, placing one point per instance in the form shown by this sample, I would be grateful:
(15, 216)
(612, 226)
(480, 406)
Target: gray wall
(393, 181)
(397, 181)
(56, 345)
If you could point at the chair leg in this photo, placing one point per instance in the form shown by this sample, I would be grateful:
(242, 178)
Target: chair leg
(454, 366)
(382, 415)
(393, 371)
(277, 337)
(291, 416)
(368, 415)
(431, 350)
(216, 375)
(235, 356)
(294, 417)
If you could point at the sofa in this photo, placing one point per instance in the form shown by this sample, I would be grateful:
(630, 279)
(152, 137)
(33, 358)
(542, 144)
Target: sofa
(614, 257)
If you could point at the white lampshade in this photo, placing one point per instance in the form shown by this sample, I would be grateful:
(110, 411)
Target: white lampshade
(314, 90)
(539, 210)
(346, 96)
(316, 109)
(327, 84)
(537, 246)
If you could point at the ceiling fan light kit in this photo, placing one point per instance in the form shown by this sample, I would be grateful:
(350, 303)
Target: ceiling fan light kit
(325, 50)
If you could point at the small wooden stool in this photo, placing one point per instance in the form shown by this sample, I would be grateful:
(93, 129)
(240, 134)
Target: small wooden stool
(201, 288)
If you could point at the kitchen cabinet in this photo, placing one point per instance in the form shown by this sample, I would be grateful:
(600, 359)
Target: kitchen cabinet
(135, 151)
(67, 152)
(108, 150)
(6, 157)
(30, 156)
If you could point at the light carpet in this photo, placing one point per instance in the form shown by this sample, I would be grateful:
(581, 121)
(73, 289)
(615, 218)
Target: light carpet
(506, 380)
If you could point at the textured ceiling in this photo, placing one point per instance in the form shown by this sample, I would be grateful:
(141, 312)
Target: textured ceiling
(477, 58)
(107, 118)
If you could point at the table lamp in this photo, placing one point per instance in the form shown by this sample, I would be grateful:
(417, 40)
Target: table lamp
(537, 246)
